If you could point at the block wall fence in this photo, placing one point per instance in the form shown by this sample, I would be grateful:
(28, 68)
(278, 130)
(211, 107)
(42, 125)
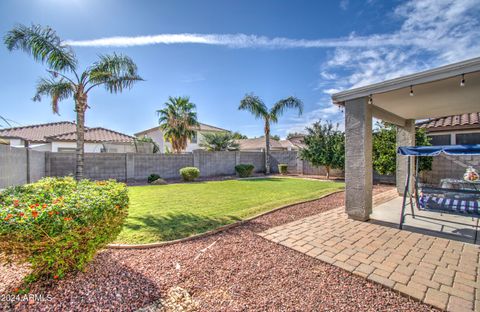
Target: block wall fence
(134, 167)
(19, 166)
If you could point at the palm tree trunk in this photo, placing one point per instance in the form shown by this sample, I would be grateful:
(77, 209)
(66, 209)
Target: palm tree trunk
(267, 147)
(80, 107)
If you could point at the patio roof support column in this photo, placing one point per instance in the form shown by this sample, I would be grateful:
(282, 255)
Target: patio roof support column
(405, 137)
(358, 159)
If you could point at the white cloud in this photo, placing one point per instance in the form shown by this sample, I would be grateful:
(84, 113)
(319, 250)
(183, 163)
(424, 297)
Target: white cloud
(432, 33)
(325, 112)
(344, 4)
(449, 26)
(236, 41)
(435, 32)
(328, 76)
(331, 91)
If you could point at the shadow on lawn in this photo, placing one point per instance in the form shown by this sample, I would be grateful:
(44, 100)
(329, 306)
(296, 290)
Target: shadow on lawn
(175, 226)
(283, 180)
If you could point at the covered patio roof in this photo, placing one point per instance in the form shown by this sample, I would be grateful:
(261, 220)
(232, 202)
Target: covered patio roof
(436, 92)
(447, 90)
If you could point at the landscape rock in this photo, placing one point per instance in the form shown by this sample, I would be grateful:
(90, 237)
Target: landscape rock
(159, 182)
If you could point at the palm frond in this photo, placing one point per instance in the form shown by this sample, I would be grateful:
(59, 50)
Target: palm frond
(178, 121)
(4, 122)
(43, 44)
(254, 105)
(116, 72)
(219, 141)
(57, 90)
(279, 107)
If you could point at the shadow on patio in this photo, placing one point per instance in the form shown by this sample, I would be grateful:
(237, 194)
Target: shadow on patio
(456, 227)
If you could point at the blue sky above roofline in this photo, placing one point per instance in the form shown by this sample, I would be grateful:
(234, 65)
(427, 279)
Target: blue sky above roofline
(217, 51)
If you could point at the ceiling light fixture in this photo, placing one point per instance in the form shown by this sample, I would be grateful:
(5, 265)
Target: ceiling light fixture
(370, 99)
(411, 91)
(462, 82)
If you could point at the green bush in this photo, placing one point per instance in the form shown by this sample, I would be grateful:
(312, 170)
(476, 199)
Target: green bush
(57, 225)
(153, 177)
(244, 170)
(282, 168)
(189, 173)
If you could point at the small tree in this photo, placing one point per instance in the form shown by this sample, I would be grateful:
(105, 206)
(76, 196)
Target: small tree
(219, 141)
(325, 146)
(294, 134)
(385, 149)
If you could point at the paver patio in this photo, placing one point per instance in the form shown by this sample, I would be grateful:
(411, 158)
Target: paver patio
(437, 271)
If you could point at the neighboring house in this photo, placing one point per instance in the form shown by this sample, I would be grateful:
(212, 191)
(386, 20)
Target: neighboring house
(157, 135)
(258, 144)
(297, 140)
(455, 129)
(61, 137)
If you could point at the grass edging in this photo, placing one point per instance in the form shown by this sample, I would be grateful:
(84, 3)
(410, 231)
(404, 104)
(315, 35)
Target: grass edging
(217, 230)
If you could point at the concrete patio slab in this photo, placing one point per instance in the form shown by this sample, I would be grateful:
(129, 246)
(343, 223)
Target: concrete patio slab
(455, 227)
(441, 272)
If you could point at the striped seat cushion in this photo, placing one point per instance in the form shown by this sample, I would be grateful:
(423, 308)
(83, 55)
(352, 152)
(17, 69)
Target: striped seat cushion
(452, 205)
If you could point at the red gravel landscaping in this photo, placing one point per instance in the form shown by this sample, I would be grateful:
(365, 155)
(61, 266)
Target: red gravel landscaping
(235, 270)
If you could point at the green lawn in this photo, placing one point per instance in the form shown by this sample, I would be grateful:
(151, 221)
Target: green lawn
(167, 212)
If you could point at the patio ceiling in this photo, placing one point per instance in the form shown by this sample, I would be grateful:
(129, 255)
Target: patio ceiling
(437, 93)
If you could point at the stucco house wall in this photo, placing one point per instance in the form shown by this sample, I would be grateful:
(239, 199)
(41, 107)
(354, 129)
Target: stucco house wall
(70, 147)
(157, 136)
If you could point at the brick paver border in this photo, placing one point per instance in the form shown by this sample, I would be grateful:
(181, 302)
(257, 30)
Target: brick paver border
(437, 271)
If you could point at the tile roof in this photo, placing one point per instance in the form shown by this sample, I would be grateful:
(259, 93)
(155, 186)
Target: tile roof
(38, 133)
(259, 143)
(62, 131)
(297, 140)
(95, 135)
(205, 127)
(202, 127)
(462, 121)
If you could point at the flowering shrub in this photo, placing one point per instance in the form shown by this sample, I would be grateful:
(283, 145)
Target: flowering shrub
(57, 225)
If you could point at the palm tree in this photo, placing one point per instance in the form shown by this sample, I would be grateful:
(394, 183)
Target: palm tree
(219, 141)
(178, 121)
(4, 122)
(115, 72)
(255, 105)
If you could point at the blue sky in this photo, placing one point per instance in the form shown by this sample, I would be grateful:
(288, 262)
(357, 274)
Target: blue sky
(217, 51)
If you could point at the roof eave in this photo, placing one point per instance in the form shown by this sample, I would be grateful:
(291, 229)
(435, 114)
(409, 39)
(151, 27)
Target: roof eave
(435, 74)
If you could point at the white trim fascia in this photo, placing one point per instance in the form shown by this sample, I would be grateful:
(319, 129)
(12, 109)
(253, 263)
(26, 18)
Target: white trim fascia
(435, 74)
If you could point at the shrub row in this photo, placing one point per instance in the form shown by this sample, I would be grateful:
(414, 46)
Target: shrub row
(57, 225)
(191, 173)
